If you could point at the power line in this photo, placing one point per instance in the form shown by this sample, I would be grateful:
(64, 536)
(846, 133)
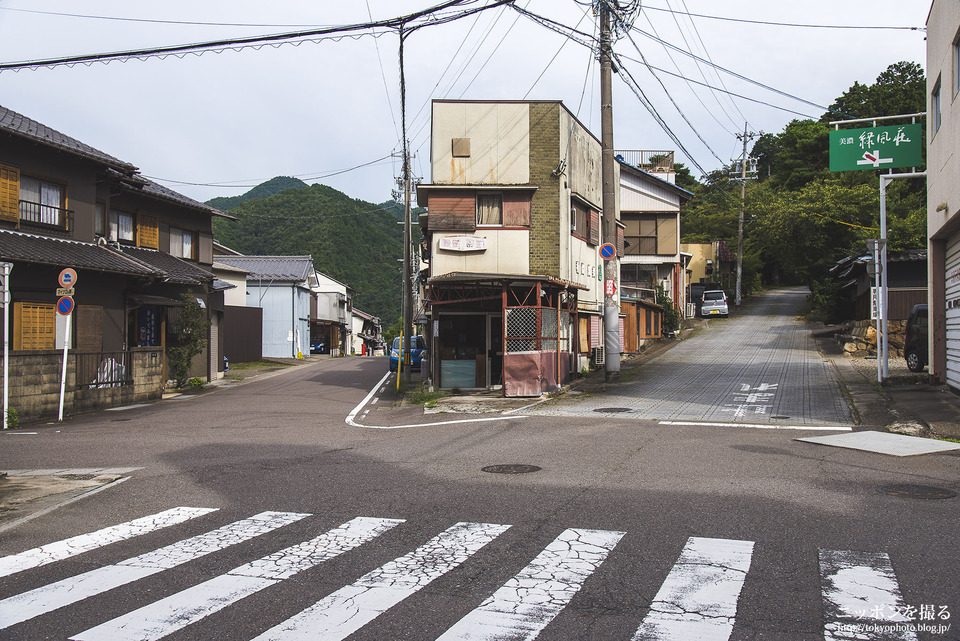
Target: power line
(232, 183)
(427, 17)
(783, 24)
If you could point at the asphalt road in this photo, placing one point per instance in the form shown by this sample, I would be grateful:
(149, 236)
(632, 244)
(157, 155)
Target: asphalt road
(314, 528)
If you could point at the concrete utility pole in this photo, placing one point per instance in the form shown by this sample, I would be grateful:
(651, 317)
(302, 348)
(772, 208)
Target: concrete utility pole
(402, 372)
(611, 267)
(746, 137)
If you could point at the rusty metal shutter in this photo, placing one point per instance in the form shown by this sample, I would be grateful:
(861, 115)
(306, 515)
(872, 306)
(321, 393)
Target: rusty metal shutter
(452, 211)
(594, 227)
(516, 209)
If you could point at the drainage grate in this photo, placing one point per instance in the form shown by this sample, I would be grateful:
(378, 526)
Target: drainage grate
(515, 468)
(917, 491)
(612, 410)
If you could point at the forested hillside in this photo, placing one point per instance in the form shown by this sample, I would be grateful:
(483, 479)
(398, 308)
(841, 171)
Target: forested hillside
(353, 241)
(800, 217)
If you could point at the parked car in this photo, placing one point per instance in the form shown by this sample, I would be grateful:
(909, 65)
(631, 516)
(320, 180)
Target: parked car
(915, 349)
(714, 303)
(318, 345)
(412, 356)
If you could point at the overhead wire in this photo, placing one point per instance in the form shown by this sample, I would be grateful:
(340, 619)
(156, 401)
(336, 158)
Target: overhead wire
(667, 91)
(550, 64)
(706, 53)
(788, 24)
(383, 74)
(699, 67)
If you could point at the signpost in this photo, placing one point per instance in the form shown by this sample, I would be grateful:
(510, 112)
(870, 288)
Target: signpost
(875, 148)
(67, 279)
(5, 269)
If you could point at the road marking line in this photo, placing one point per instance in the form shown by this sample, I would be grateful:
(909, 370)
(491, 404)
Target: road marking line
(860, 589)
(342, 613)
(762, 426)
(47, 598)
(85, 542)
(698, 599)
(177, 611)
(530, 600)
(356, 410)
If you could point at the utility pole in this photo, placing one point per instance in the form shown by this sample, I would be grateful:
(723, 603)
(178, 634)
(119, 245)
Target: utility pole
(406, 341)
(746, 137)
(611, 267)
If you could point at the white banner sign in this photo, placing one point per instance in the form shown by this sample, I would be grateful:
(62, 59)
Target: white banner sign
(463, 243)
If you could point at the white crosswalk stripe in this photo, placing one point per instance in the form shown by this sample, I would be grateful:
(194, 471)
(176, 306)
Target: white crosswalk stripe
(348, 609)
(698, 599)
(163, 617)
(529, 601)
(860, 590)
(28, 605)
(85, 542)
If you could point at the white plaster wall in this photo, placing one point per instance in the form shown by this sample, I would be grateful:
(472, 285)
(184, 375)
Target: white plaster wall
(499, 136)
(943, 170)
(507, 252)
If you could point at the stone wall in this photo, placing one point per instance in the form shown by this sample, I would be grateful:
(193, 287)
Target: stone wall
(859, 338)
(34, 389)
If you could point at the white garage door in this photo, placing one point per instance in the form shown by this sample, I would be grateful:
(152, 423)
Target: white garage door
(952, 279)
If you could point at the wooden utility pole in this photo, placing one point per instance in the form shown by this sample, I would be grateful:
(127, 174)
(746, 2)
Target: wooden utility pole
(611, 267)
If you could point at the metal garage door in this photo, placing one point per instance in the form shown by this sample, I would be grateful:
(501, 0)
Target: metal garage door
(952, 281)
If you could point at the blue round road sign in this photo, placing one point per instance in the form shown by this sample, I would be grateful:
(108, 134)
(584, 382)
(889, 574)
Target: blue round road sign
(607, 251)
(65, 306)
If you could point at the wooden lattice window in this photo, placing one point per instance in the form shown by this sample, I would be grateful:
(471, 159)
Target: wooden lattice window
(9, 194)
(148, 231)
(34, 326)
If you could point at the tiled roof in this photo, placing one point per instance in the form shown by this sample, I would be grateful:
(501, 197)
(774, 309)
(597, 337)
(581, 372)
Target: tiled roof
(175, 270)
(17, 124)
(43, 250)
(156, 190)
(285, 268)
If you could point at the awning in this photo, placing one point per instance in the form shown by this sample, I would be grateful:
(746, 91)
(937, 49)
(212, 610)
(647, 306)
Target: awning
(150, 299)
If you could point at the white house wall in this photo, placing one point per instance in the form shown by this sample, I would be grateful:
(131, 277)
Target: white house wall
(237, 295)
(646, 196)
(507, 252)
(286, 318)
(499, 135)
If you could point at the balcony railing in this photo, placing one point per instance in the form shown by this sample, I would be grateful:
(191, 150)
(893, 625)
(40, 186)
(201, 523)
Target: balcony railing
(652, 161)
(44, 216)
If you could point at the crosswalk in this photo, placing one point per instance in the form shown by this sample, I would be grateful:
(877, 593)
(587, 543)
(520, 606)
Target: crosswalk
(698, 598)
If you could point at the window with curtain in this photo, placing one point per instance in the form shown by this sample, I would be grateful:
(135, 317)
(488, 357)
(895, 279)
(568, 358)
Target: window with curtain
(181, 243)
(41, 201)
(489, 209)
(120, 226)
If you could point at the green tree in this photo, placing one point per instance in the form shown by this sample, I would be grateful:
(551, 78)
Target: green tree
(190, 328)
(900, 89)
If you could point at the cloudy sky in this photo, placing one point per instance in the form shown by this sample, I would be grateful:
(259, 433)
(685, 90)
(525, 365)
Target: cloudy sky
(328, 111)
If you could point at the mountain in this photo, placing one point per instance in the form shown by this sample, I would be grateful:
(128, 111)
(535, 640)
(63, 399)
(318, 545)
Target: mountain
(263, 190)
(356, 242)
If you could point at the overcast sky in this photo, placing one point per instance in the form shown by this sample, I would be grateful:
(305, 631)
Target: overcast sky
(230, 120)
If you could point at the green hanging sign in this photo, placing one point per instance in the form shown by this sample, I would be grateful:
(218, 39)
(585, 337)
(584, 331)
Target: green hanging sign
(876, 147)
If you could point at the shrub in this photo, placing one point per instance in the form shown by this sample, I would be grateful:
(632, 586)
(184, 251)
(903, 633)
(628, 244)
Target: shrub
(190, 328)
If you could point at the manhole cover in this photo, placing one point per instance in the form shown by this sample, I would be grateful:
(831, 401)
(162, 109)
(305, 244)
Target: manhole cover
(515, 468)
(612, 410)
(917, 491)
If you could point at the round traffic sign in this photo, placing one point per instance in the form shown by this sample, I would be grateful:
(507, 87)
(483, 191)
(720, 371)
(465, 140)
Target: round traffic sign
(607, 251)
(68, 277)
(65, 306)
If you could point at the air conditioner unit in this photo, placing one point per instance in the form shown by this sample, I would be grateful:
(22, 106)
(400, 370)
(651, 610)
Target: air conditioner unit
(598, 356)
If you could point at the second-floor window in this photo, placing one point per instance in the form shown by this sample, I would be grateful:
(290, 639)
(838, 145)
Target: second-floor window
(120, 226)
(489, 209)
(182, 243)
(42, 202)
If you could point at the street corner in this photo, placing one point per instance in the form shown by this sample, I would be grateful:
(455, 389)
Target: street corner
(26, 493)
